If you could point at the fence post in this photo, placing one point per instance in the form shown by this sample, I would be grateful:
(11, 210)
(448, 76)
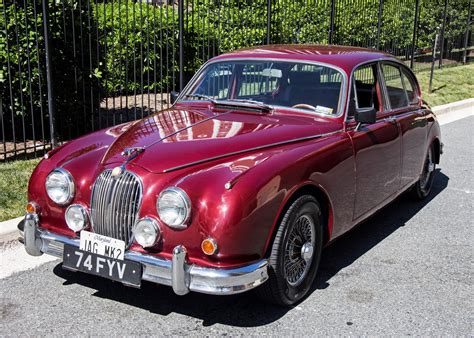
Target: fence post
(269, 20)
(442, 34)
(435, 46)
(379, 23)
(181, 46)
(415, 29)
(49, 77)
(466, 37)
(331, 26)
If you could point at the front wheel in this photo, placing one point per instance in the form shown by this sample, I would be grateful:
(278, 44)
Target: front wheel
(295, 254)
(422, 188)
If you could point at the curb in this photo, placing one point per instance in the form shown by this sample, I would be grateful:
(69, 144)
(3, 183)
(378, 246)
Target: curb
(458, 105)
(9, 230)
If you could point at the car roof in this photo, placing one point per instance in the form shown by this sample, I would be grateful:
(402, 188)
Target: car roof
(344, 57)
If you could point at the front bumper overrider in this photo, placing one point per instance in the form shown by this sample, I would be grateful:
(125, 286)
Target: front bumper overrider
(177, 273)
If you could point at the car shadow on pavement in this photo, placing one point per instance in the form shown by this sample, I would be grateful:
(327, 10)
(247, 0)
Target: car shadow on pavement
(245, 310)
(355, 243)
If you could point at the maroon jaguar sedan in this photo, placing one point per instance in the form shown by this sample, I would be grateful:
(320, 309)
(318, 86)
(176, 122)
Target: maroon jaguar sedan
(266, 156)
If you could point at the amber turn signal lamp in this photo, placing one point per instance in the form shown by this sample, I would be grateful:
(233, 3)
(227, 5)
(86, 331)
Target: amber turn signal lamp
(209, 246)
(31, 208)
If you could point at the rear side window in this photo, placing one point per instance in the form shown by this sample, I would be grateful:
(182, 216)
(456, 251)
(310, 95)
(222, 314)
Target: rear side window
(410, 87)
(394, 84)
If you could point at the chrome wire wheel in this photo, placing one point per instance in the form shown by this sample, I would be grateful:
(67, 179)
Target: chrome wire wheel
(299, 250)
(428, 170)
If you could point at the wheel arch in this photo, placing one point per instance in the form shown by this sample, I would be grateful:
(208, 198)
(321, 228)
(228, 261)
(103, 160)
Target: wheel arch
(312, 189)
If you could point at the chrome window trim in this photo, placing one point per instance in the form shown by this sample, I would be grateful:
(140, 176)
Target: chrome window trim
(411, 76)
(389, 105)
(378, 61)
(342, 92)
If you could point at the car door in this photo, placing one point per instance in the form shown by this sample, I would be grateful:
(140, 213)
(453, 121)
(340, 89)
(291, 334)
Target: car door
(405, 105)
(376, 146)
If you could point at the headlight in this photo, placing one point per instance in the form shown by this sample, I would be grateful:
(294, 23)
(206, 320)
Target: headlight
(174, 207)
(146, 232)
(77, 217)
(60, 186)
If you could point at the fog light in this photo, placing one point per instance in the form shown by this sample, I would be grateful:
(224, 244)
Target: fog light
(209, 246)
(77, 217)
(146, 232)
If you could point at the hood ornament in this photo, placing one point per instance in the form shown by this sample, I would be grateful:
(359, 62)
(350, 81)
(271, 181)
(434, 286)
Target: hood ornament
(132, 152)
(117, 171)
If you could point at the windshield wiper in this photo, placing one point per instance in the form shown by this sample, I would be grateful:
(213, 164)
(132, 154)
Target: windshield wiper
(259, 104)
(201, 96)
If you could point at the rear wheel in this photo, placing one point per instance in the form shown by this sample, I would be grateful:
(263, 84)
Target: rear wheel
(422, 188)
(295, 254)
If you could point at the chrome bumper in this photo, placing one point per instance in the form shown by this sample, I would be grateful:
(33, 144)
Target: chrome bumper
(177, 273)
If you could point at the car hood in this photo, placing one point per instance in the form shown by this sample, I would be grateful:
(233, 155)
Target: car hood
(176, 138)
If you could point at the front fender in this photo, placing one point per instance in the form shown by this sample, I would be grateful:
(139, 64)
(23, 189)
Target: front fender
(243, 217)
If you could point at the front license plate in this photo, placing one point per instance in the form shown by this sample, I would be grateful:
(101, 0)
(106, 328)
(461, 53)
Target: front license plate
(102, 245)
(125, 271)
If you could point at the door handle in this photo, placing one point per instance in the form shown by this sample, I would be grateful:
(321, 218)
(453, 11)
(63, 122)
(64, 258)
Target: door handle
(391, 120)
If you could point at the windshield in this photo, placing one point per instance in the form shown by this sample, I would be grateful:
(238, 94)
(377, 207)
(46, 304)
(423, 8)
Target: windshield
(306, 86)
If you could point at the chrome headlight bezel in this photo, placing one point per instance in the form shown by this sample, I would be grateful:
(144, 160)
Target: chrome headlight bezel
(183, 199)
(155, 227)
(69, 182)
(85, 215)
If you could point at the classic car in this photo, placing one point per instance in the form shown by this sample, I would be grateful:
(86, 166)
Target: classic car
(265, 157)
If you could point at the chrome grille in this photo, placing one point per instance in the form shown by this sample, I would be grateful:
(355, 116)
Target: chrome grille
(115, 203)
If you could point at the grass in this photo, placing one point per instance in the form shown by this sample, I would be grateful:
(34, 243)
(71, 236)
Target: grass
(450, 84)
(14, 178)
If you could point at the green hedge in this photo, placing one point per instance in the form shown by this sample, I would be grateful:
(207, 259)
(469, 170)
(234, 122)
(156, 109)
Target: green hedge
(22, 50)
(126, 30)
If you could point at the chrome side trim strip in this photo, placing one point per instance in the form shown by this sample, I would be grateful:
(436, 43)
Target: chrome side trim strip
(209, 159)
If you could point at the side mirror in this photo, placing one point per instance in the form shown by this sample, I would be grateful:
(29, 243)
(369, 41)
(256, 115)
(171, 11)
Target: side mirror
(173, 96)
(365, 115)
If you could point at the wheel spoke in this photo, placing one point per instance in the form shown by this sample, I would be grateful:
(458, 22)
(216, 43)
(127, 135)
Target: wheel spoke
(295, 266)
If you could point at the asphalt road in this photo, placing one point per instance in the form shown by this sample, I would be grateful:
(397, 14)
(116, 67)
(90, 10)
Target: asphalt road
(406, 271)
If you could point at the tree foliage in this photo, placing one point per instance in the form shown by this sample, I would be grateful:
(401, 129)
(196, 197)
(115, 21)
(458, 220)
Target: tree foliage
(114, 48)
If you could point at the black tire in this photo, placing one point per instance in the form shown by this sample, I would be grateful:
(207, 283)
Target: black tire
(284, 287)
(422, 188)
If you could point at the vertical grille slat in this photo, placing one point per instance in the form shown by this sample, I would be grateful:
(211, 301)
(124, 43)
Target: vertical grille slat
(115, 203)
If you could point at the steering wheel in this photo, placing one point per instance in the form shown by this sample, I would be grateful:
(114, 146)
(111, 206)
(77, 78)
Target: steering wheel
(304, 106)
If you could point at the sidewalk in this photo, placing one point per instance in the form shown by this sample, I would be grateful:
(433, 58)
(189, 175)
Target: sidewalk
(9, 231)
(454, 106)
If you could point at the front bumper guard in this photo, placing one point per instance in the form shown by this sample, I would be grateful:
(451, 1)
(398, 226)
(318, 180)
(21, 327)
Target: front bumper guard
(177, 273)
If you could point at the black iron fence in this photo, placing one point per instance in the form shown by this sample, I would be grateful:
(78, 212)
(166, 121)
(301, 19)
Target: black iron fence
(69, 67)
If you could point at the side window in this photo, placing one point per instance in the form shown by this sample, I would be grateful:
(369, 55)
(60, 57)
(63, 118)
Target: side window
(395, 90)
(365, 88)
(410, 87)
